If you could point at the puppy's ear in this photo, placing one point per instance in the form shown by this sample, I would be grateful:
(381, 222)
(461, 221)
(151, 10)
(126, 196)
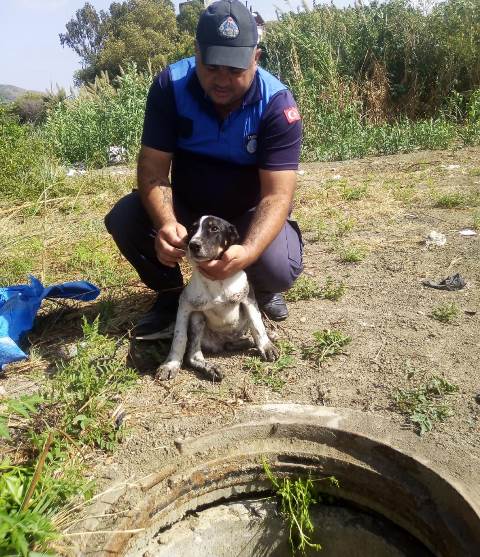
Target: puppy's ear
(232, 235)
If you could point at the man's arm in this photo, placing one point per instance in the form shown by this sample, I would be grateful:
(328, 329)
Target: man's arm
(156, 194)
(277, 188)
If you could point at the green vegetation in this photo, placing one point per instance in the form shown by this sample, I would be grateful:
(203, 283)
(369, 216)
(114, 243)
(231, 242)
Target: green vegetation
(143, 32)
(446, 313)
(352, 254)
(326, 343)
(306, 288)
(112, 112)
(296, 497)
(425, 404)
(268, 373)
(50, 434)
(373, 79)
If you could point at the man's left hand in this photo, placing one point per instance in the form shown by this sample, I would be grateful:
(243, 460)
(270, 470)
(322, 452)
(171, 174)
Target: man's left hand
(235, 259)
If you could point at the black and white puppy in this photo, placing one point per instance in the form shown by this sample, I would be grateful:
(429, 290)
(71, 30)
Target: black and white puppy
(214, 315)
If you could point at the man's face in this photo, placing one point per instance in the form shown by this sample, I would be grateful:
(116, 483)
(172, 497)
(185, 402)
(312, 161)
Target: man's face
(224, 85)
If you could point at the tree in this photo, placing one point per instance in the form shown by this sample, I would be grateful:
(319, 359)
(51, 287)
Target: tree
(140, 31)
(188, 17)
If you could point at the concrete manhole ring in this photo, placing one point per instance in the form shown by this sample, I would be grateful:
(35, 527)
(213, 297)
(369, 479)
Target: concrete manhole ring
(218, 479)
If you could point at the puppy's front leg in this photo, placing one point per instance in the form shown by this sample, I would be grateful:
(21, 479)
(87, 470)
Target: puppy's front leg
(194, 356)
(172, 364)
(266, 347)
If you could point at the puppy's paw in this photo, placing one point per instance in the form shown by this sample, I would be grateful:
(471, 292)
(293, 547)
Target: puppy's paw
(167, 371)
(269, 352)
(214, 373)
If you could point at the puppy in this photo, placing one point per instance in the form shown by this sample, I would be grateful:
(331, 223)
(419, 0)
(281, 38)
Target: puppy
(214, 315)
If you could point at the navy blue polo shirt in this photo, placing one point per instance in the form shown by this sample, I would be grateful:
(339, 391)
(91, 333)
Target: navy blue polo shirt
(215, 163)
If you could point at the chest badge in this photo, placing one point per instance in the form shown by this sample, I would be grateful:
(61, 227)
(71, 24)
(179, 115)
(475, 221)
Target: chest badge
(228, 29)
(251, 144)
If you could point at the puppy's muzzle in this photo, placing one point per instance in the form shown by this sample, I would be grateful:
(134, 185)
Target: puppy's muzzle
(195, 247)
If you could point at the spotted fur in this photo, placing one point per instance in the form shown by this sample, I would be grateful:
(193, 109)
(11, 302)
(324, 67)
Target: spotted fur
(214, 315)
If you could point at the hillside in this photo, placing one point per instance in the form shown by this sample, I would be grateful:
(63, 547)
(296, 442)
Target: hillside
(9, 93)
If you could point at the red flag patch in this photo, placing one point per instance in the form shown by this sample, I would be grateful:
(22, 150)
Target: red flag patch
(292, 114)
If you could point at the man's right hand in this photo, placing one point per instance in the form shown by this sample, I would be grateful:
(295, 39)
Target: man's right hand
(170, 243)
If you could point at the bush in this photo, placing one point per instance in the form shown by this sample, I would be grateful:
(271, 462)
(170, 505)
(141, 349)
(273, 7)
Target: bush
(25, 159)
(81, 129)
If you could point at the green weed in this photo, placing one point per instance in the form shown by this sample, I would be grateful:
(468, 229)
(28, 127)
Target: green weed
(352, 254)
(73, 412)
(268, 373)
(450, 200)
(326, 343)
(446, 313)
(354, 193)
(296, 497)
(344, 225)
(425, 404)
(304, 288)
(476, 220)
(333, 291)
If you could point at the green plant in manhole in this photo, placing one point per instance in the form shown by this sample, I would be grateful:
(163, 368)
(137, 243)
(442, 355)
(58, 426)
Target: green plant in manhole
(326, 343)
(296, 496)
(268, 373)
(446, 313)
(425, 404)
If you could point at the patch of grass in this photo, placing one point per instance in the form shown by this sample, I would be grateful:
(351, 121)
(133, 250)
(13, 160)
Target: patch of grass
(344, 225)
(425, 404)
(450, 200)
(476, 220)
(352, 254)
(333, 291)
(326, 343)
(268, 373)
(446, 313)
(296, 497)
(304, 288)
(354, 193)
(47, 432)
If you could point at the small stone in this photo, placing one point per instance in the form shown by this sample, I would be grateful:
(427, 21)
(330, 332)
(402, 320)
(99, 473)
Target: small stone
(303, 319)
(3, 391)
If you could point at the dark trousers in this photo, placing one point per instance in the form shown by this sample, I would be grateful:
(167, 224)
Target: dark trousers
(133, 232)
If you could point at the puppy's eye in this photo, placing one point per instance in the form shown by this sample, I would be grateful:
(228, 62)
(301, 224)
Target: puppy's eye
(214, 228)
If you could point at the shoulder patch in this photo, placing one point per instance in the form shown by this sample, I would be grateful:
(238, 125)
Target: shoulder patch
(292, 114)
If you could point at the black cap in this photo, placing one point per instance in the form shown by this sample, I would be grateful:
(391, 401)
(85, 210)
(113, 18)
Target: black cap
(227, 34)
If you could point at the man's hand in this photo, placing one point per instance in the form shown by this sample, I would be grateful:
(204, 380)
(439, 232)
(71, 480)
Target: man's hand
(170, 243)
(235, 259)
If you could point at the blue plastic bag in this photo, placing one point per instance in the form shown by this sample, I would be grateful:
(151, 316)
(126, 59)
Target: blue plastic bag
(19, 305)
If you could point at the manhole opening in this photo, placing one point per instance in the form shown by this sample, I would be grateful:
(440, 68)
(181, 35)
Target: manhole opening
(252, 526)
(389, 503)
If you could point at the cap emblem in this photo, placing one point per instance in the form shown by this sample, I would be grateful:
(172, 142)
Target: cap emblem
(228, 29)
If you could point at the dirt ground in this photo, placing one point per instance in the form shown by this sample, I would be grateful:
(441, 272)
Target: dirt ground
(385, 310)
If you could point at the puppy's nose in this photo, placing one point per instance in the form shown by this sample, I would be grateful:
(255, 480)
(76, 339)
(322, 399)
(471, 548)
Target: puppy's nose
(194, 246)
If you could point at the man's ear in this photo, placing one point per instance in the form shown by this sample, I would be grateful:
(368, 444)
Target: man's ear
(258, 54)
(233, 236)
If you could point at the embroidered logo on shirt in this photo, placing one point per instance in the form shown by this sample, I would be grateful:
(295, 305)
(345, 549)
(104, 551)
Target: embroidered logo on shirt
(228, 28)
(251, 145)
(292, 114)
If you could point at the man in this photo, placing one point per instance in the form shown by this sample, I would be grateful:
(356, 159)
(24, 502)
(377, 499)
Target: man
(230, 133)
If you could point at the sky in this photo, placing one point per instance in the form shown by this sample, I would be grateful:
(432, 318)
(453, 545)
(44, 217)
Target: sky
(31, 54)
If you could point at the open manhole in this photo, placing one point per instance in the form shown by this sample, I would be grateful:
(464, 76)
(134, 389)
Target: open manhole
(214, 500)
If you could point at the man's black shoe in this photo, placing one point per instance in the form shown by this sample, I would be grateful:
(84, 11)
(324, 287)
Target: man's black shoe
(272, 305)
(159, 321)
